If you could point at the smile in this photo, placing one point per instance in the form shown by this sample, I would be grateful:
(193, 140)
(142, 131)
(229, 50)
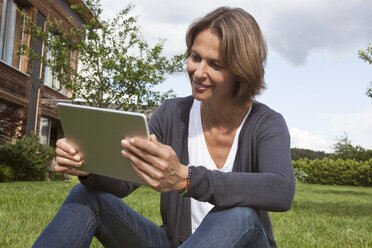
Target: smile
(200, 86)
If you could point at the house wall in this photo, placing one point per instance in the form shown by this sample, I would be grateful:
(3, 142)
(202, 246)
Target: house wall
(16, 85)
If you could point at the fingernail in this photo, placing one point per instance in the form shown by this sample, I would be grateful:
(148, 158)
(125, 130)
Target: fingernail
(77, 157)
(131, 140)
(72, 150)
(124, 142)
(123, 152)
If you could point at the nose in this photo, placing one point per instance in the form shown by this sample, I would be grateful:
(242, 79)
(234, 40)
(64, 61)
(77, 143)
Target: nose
(200, 70)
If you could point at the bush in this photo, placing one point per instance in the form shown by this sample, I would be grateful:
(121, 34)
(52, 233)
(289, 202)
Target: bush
(57, 176)
(338, 172)
(300, 174)
(26, 160)
(6, 173)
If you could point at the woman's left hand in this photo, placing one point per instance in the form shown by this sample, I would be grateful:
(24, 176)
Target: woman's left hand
(155, 163)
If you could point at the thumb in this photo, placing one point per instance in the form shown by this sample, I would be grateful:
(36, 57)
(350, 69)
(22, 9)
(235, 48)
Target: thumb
(153, 138)
(156, 142)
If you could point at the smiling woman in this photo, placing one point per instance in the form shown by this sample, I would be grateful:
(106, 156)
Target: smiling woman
(220, 159)
(239, 47)
(210, 80)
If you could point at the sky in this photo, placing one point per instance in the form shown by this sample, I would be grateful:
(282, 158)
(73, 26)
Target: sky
(313, 74)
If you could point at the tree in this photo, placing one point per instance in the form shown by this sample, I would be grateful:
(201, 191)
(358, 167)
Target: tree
(117, 67)
(300, 153)
(366, 55)
(345, 150)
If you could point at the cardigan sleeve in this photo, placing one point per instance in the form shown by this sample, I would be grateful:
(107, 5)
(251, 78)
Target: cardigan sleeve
(270, 187)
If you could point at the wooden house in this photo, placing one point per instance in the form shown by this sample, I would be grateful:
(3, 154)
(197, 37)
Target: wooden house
(28, 91)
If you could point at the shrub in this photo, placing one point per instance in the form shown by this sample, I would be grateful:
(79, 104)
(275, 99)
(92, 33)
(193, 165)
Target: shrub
(26, 160)
(57, 176)
(6, 173)
(300, 174)
(339, 172)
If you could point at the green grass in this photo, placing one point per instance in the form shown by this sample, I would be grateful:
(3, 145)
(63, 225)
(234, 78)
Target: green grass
(321, 216)
(326, 216)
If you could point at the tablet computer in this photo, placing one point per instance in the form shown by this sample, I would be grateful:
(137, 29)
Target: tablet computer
(97, 133)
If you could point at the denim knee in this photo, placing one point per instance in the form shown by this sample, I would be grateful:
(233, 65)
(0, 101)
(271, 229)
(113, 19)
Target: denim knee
(242, 215)
(246, 213)
(79, 194)
(79, 191)
(229, 227)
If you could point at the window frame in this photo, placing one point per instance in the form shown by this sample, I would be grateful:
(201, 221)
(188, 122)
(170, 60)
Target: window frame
(49, 128)
(11, 35)
(51, 80)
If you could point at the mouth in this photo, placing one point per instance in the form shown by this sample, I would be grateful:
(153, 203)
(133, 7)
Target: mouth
(200, 86)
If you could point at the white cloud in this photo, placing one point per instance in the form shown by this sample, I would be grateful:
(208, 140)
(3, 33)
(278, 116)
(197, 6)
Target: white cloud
(296, 31)
(304, 139)
(358, 126)
(293, 29)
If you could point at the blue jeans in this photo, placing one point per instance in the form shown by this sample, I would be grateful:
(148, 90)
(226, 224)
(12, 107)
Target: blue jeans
(87, 213)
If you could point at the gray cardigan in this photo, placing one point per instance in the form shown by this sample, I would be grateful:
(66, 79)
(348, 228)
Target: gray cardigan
(262, 176)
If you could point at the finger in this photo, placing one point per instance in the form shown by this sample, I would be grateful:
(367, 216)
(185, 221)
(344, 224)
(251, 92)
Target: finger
(70, 170)
(62, 153)
(153, 138)
(62, 168)
(148, 180)
(63, 144)
(155, 141)
(143, 166)
(68, 162)
(146, 145)
(143, 154)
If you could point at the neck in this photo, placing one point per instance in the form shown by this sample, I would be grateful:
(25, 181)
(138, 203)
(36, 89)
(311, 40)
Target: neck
(223, 114)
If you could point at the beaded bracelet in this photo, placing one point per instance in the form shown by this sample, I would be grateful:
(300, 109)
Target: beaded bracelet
(187, 183)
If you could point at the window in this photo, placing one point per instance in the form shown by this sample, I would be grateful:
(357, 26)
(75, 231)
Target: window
(50, 80)
(11, 33)
(44, 132)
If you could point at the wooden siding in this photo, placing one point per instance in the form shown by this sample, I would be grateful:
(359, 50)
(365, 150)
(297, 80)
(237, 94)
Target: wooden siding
(47, 108)
(15, 85)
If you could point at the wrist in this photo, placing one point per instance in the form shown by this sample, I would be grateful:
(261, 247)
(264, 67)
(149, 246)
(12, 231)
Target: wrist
(188, 181)
(183, 178)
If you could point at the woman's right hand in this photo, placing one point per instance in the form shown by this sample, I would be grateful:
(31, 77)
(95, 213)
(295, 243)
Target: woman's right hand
(68, 158)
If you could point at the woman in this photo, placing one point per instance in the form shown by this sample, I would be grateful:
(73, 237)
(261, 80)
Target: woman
(220, 159)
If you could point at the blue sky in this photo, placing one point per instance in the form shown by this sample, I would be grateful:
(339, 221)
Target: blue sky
(313, 74)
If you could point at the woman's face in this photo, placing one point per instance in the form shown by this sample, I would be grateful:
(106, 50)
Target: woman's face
(210, 80)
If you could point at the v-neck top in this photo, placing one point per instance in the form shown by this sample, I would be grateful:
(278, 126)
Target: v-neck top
(199, 155)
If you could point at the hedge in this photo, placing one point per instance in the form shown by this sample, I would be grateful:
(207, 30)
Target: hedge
(336, 172)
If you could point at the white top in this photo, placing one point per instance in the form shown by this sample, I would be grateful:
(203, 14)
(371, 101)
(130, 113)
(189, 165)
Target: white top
(199, 156)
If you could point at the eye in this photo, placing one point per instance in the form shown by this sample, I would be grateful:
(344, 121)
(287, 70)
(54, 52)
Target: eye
(216, 66)
(194, 57)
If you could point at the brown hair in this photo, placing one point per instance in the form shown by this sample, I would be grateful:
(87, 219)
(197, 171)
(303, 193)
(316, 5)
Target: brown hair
(242, 47)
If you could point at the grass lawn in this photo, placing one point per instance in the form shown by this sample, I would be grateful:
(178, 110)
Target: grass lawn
(321, 216)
